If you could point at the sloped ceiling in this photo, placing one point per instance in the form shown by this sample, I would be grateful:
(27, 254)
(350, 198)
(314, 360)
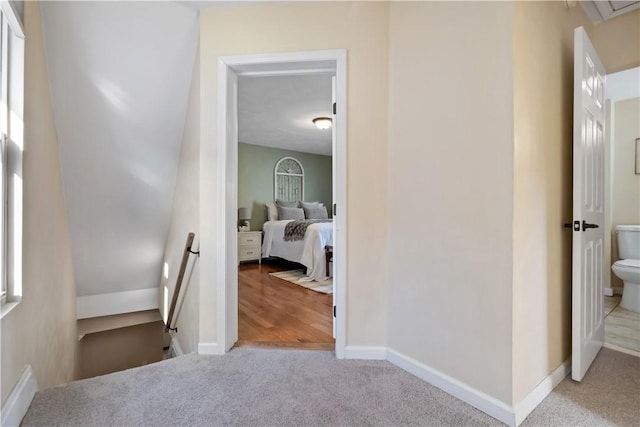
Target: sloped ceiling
(120, 75)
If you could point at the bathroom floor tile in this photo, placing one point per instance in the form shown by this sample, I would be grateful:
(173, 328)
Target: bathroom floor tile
(622, 328)
(610, 303)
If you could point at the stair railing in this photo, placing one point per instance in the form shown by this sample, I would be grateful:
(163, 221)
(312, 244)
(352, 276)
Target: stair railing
(176, 291)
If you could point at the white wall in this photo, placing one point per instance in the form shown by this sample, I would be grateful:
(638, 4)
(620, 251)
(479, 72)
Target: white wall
(361, 28)
(41, 330)
(120, 75)
(184, 219)
(450, 169)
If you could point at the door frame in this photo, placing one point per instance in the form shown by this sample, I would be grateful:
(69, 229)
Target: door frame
(226, 263)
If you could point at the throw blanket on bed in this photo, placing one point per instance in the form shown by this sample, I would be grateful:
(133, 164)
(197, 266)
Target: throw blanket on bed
(296, 229)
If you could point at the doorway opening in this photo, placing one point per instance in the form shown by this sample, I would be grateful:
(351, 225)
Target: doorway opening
(231, 71)
(622, 201)
(285, 230)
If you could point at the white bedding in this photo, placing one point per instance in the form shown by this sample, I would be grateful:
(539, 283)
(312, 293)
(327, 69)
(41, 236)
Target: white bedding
(308, 252)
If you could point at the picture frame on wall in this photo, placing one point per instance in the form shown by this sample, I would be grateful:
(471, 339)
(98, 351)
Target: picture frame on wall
(637, 156)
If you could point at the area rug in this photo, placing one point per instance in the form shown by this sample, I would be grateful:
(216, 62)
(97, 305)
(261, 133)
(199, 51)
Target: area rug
(297, 277)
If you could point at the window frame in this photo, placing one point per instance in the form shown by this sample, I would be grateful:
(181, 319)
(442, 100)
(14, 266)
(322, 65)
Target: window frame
(11, 92)
(4, 83)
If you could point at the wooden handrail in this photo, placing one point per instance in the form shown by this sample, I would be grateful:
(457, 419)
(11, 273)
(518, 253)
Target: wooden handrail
(176, 291)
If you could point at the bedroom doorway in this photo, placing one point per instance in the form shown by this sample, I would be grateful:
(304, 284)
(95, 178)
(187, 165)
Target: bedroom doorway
(232, 70)
(284, 189)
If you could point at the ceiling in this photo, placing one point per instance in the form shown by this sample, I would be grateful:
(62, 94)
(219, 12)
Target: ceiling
(120, 83)
(277, 111)
(602, 10)
(120, 74)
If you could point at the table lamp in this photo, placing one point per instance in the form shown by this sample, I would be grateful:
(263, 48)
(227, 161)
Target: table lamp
(244, 215)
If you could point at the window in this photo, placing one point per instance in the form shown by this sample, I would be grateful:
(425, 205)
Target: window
(3, 156)
(3, 217)
(11, 147)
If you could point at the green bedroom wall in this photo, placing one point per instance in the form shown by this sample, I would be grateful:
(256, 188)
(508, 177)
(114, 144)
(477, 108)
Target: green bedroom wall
(255, 178)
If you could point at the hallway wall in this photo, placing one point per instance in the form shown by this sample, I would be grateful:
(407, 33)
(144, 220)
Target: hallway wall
(41, 330)
(449, 160)
(361, 28)
(185, 218)
(543, 138)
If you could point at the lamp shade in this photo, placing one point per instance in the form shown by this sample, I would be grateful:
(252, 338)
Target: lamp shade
(244, 214)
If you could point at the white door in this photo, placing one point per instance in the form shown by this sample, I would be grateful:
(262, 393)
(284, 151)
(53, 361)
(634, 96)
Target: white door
(333, 192)
(588, 206)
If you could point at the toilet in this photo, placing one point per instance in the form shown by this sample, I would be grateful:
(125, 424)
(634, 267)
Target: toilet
(628, 267)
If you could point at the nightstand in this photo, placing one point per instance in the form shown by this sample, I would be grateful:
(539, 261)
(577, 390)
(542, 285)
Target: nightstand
(250, 246)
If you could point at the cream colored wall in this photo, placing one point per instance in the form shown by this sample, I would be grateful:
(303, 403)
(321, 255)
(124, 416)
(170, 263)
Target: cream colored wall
(362, 29)
(625, 197)
(41, 330)
(450, 165)
(617, 41)
(543, 132)
(543, 108)
(184, 219)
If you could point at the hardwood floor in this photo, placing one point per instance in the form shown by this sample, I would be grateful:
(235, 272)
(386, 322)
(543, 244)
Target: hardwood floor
(275, 313)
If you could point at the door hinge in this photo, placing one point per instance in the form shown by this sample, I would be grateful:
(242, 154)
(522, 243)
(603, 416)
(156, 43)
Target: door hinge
(334, 311)
(334, 108)
(334, 209)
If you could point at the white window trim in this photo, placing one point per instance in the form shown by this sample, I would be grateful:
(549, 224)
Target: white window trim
(4, 61)
(11, 29)
(3, 218)
(12, 16)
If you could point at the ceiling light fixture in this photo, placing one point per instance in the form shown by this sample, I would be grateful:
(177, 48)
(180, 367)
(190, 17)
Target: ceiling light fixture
(322, 122)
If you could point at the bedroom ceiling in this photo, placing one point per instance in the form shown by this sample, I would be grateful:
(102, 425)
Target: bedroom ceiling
(120, 74)
(277, 111)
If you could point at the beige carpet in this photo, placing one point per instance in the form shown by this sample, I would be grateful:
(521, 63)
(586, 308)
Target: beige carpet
(608, 395)
(257, 387)
(297, 277)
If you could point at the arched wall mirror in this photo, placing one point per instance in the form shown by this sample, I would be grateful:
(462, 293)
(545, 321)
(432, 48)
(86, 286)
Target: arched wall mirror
(289, 180)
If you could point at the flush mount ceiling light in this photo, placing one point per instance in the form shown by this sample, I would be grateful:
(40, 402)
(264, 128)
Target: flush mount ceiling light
(322, 122)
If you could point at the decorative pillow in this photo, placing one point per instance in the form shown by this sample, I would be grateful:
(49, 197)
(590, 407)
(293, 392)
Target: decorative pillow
(304, 205)
(286, 204)
(319, 212)
(289, 213)
(272, 211)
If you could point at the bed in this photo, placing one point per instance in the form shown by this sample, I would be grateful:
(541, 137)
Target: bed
(309, 252)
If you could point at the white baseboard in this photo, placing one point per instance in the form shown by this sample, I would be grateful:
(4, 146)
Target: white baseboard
(365, 352)
(456, 388)
(542, 390)
(117, 303)
(19, 399)
(176, 348)
(209, 348)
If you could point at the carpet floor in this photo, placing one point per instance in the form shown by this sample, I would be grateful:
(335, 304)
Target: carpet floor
(289, 387)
